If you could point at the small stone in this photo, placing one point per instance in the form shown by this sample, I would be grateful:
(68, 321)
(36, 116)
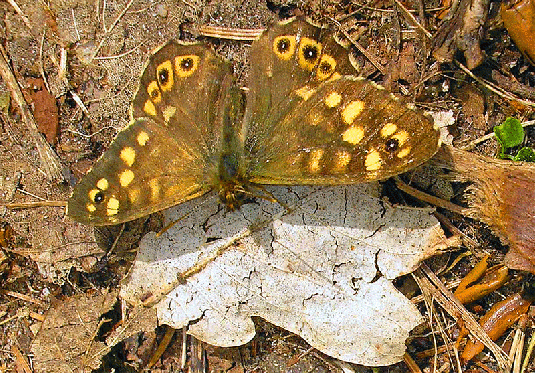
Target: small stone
(161, 10)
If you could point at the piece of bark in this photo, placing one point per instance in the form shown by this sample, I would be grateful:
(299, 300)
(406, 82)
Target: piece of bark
(502, 195)
(462, 31)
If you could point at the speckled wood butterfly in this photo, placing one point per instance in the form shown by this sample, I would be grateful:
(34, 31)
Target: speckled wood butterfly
(306, 121)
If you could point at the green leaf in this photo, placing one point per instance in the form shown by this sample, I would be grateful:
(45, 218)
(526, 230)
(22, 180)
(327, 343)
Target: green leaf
(510, 133)
(525, 154)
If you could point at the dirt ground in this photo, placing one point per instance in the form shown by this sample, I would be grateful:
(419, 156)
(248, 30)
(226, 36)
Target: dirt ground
(78, 64)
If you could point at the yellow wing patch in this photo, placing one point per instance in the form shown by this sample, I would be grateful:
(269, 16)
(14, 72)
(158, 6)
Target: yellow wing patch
(352, 110)
(103, 184)
(126, 177)
(128, 155)
(112, 206)
(333, 99)
(315, 159)
(142, 138)
(373, 160)
(353, 135)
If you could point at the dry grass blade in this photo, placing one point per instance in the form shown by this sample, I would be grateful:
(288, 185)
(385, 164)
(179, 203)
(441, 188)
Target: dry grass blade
(164, 343)
(431, 284)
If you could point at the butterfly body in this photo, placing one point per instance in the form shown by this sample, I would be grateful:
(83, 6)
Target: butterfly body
(306, 120)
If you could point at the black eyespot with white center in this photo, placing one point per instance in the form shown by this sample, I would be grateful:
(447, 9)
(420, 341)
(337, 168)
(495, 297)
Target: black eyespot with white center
(186, 64)
(283, 45)
(163, 76)
(310, 52)
(392, 145)
(325, 67)
(99, 197)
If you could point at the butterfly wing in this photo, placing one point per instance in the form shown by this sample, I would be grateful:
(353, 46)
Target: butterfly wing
(168, 153)
(326, 127)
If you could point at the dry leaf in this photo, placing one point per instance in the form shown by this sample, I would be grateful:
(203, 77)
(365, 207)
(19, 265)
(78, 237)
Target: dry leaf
(65, 342)
(313, 272)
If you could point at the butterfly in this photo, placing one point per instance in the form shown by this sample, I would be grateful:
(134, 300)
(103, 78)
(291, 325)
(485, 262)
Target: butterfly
(305, 120)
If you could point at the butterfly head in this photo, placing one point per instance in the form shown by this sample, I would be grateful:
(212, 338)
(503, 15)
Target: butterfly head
(232, 196)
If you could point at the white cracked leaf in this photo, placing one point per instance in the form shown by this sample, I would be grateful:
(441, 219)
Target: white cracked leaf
(322, 271)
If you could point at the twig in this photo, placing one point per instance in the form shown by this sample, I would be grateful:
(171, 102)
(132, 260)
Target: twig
(21, 14)
(362, 50)
(108, 31)
(30, 205)
(411, 19)
(75, 25)
(472, 144)
(63, 76)
(430, 199)
(48, 159)
(41, 64)
(494, 88)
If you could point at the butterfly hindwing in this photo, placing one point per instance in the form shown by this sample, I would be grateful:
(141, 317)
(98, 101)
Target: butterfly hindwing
(169, 152)
(123, 184)
(347, 131)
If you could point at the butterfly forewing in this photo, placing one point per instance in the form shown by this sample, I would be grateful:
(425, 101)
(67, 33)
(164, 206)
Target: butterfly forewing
(292, 55)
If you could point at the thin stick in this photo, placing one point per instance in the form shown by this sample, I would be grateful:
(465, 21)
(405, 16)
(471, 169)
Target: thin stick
(21, 14)
(472, 144)
(426, 278)
(430, 199)
(494, 88)
(411, 19)
(107, 32)
(31, 205)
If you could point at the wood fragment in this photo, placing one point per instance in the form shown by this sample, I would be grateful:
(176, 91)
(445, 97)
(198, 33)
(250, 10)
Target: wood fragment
(462, 31)
(21, 361)
(229, 33)
(501, 195)
(25, 298)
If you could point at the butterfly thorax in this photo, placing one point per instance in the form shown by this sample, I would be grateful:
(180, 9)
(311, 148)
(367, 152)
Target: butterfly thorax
(230, 182)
